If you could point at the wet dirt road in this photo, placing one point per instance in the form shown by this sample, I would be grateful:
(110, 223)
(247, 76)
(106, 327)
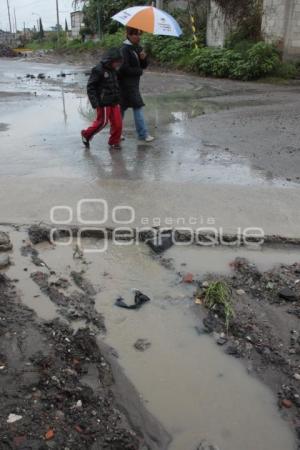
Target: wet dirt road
(226, 153)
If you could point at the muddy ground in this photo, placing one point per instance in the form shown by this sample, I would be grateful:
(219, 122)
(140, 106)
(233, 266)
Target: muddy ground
(57, 387)
(60, 390)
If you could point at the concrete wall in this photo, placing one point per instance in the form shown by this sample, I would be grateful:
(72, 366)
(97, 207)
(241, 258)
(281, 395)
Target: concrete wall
(9, 39)
(281, 25)
(292, 36)
(76, 21)
(217, 26)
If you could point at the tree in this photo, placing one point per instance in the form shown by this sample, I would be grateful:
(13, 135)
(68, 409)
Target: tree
(66, 26)
(41, 29)
(104, 10)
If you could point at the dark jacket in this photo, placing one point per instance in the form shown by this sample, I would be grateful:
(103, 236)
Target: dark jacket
(103, 86)
(129, 76)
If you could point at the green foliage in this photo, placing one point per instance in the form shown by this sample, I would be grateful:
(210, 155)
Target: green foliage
(258, 61)
(218, 298)
(168, 50)
(286, 71)
(113, 40)
(103, 10)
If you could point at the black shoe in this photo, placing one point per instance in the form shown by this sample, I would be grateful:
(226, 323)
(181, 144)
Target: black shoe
(85, 141)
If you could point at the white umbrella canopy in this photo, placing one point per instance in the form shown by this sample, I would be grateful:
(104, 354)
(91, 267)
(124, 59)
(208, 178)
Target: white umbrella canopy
(149, 19)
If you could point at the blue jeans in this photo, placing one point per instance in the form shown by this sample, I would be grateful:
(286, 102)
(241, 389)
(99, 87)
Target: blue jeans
(140, 123)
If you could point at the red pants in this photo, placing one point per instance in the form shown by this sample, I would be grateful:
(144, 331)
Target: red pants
(105, 114)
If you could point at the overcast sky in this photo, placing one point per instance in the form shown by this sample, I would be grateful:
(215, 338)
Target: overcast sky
(28, 11)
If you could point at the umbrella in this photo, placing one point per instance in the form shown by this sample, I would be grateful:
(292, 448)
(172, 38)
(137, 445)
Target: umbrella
(149, 19)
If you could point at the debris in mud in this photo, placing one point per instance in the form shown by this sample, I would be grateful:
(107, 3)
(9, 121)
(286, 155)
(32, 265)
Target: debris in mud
(160, 243)
(7, 52)
(38, 234)
(264, 327)
(78, 253)
(27, 250)
(5, 243)
(45, 379)
(41, 76)
(83, 284)
(12, 418)
(4, 261)
(188, 278)
(204, 445)
(288, 295)
(142, 345)
(76, 306)
(139, 300)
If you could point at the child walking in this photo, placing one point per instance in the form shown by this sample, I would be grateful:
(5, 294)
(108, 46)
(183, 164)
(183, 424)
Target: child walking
(104, 94)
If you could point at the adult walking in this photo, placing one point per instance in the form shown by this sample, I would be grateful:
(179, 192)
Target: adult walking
(134, 62)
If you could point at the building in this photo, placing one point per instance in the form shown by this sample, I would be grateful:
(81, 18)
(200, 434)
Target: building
(76, 23)
(8, 39)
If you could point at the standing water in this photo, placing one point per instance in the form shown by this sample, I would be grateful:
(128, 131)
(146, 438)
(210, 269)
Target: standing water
(185, 380)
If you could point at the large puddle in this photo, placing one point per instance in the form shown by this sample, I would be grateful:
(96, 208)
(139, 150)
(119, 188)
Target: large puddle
(186, 381)
(58, 106)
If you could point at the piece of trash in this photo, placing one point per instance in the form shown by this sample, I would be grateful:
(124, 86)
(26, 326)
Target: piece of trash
(12, 418)
(160, 243)
(78, 253)
(198, 301)
(142, 345)
(188, 278)
(49, 435)
(240, 292)
(139, 300)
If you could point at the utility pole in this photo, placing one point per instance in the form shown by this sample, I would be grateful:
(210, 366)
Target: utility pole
(57, 15)
(9, 18)
(15, 17)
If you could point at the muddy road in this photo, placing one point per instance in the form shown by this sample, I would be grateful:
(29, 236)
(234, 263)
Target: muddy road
(169, 375)
(225, 151)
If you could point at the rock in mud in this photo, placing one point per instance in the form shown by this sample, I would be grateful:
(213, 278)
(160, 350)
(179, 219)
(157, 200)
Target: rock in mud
(204, 445)
(288, 295)
(4, 261)
(142, 345)
(12, 418)
(38, 234)
(161, 243)
(5, 243)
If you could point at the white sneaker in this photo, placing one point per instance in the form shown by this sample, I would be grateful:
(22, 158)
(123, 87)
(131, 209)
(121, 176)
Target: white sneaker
(149, 138)
(123, 137)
